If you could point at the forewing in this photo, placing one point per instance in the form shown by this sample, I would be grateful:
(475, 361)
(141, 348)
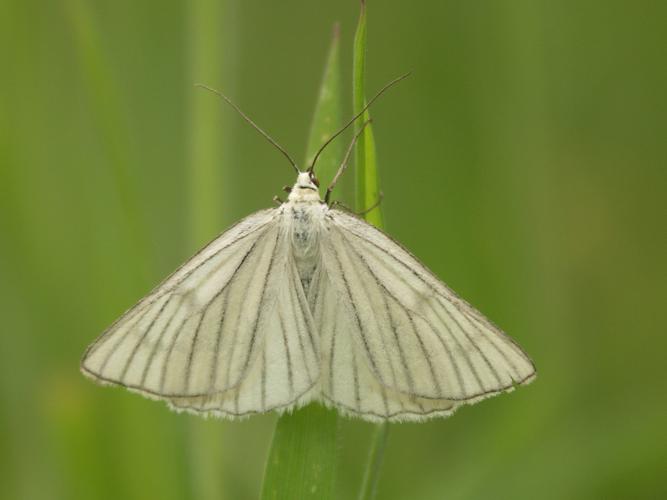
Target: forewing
(286, 365)
(410, 342)
(347, 381)
(206, 330)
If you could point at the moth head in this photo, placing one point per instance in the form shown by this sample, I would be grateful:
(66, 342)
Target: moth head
(305, 188)
(307, 180)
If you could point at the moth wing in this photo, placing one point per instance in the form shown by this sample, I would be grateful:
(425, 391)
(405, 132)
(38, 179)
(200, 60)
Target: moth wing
(397, 343)
(286, 366)
(211, 326)
(347, 382)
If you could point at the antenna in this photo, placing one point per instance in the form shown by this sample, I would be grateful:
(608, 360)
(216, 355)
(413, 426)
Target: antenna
(368, 105)
(254, 125)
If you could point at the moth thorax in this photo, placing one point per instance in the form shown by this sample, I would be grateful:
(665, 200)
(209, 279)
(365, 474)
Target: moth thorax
(305, 240)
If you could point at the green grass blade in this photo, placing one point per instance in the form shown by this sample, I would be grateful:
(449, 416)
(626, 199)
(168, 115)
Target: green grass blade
(327, 117)
(367, 183)
(375, 459)
(302, 459)
(367, 194)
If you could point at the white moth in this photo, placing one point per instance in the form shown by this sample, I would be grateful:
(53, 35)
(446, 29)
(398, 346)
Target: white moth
(303, 303)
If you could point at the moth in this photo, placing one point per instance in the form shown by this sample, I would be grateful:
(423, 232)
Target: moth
(305, 303)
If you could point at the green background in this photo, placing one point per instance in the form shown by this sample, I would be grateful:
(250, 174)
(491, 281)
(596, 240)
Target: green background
(524, 162)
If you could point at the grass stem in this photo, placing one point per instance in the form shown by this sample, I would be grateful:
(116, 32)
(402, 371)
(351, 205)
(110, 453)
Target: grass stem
(367, 195)
(303, 456)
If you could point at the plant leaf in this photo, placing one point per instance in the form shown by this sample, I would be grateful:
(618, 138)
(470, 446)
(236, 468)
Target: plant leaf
(367, 194)
(367, 183)
(302, 459)
(327, 117)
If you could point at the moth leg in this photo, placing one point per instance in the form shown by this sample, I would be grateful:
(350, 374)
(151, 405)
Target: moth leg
(374, 205)
(363, 212)
(346, 159)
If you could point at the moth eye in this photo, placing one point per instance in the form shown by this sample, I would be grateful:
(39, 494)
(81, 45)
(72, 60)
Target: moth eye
(314, 180)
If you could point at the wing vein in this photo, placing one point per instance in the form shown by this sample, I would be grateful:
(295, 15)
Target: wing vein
(215, 254)
(235, 332)
(450, 315)
(478, 349)
(295, 305)
(130, 358)
(157, 293)
(260, 308)
(426, 354)
(356, 316)
(172, 344)
(332, 352)
(463, 351)
(288, 357)
(377, 322)
(436, 383)
(151, 356)
(218, 339)
(165, 368)
(188, 365)
(355, 376)
(502, 353)
(118, 343)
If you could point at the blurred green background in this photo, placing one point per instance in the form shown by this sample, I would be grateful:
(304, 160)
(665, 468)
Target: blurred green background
(524, 162)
